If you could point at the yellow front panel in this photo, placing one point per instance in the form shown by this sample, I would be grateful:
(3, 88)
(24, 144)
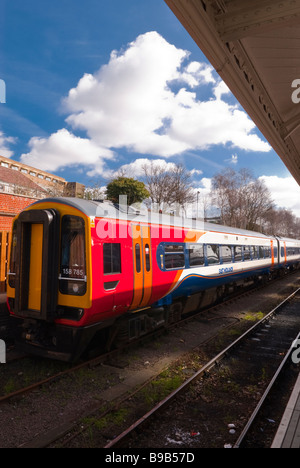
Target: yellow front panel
(74, 301)
(35, 271)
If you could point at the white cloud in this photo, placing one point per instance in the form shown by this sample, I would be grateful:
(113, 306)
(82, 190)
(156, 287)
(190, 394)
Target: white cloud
(197, 73)
(205, 186)
(196, 172)
(63, 148)
(233, 160)
(132, 103)
(5, 143)
(285, 192)
(136, 168)
(221, 89)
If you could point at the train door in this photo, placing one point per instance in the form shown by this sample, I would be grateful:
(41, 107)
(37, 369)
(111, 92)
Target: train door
(35, 266)
(142, 265)
(284, 253)
(273, 253)
(36, 249)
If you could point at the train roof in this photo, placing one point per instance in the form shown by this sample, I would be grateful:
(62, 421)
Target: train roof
(106, 209)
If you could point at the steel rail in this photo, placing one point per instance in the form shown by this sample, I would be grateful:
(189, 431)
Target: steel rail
(267, 392)
(205, 369)
(95, 361)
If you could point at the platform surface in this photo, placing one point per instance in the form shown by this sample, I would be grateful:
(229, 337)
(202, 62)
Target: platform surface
(288, 434)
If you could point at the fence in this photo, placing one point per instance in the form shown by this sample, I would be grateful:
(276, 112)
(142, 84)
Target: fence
(5, 238)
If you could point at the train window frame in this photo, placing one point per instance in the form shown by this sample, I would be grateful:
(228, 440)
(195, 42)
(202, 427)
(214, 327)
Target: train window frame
(238, 257)
(192, 248)
(247, 253)
(261, 253)
(147, 258)
(211, 263)
(267, 252)
(174, 253)
(113, 252)
(225, 259)
(72, 278)
(138, 258)
(174, 248)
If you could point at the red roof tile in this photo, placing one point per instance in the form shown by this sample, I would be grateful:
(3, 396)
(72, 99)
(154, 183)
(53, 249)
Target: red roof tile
(10, 176)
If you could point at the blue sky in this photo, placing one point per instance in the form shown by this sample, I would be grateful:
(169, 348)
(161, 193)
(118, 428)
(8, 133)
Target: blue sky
(95, 86)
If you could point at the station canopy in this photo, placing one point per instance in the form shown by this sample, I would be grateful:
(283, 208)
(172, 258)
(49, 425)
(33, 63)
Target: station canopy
(254, 45)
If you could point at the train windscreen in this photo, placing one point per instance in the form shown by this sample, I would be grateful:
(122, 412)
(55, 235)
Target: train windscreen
(72, 278)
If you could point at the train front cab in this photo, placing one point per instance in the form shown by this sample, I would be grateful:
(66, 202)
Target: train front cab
(48, 287)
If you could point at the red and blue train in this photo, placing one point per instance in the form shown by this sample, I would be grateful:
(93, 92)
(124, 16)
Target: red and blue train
(87, 273)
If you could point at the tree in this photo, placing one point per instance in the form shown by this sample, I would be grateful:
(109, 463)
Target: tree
(157, 183)
(181, 186)
(282, 222)
(136, 191)
(242, 200)
(171, 186)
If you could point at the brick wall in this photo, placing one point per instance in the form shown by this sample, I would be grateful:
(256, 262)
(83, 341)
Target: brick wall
(10, 206)
(6, 223)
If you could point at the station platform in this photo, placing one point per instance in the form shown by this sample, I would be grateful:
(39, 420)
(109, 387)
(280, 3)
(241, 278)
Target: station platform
(288, 434)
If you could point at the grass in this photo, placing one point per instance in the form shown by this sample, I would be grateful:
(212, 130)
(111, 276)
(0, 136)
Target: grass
(253, 316)
(161, 387)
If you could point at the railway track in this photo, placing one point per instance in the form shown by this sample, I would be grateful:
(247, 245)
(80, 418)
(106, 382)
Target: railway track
(65, 369)
(56, 376)
(261, 353)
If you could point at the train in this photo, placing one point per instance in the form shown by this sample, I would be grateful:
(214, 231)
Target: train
(86, 274)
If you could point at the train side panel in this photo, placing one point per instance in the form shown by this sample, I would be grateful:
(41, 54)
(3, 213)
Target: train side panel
(222, 259)
(78, 276)
(112, 268)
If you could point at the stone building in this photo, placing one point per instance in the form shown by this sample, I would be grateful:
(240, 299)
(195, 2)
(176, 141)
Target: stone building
(22, 185)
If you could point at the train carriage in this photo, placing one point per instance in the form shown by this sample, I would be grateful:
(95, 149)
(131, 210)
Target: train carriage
(288, 252)
(84, 271)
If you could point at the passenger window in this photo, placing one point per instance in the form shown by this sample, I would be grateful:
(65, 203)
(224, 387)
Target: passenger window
(147, 256)
(213, 254)
(112, 259)
(174, 261)
(174, 248)
(247, 253)
(174, 256)
(138, 258)
(226, 253)
(238, 253)
(196, 254)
